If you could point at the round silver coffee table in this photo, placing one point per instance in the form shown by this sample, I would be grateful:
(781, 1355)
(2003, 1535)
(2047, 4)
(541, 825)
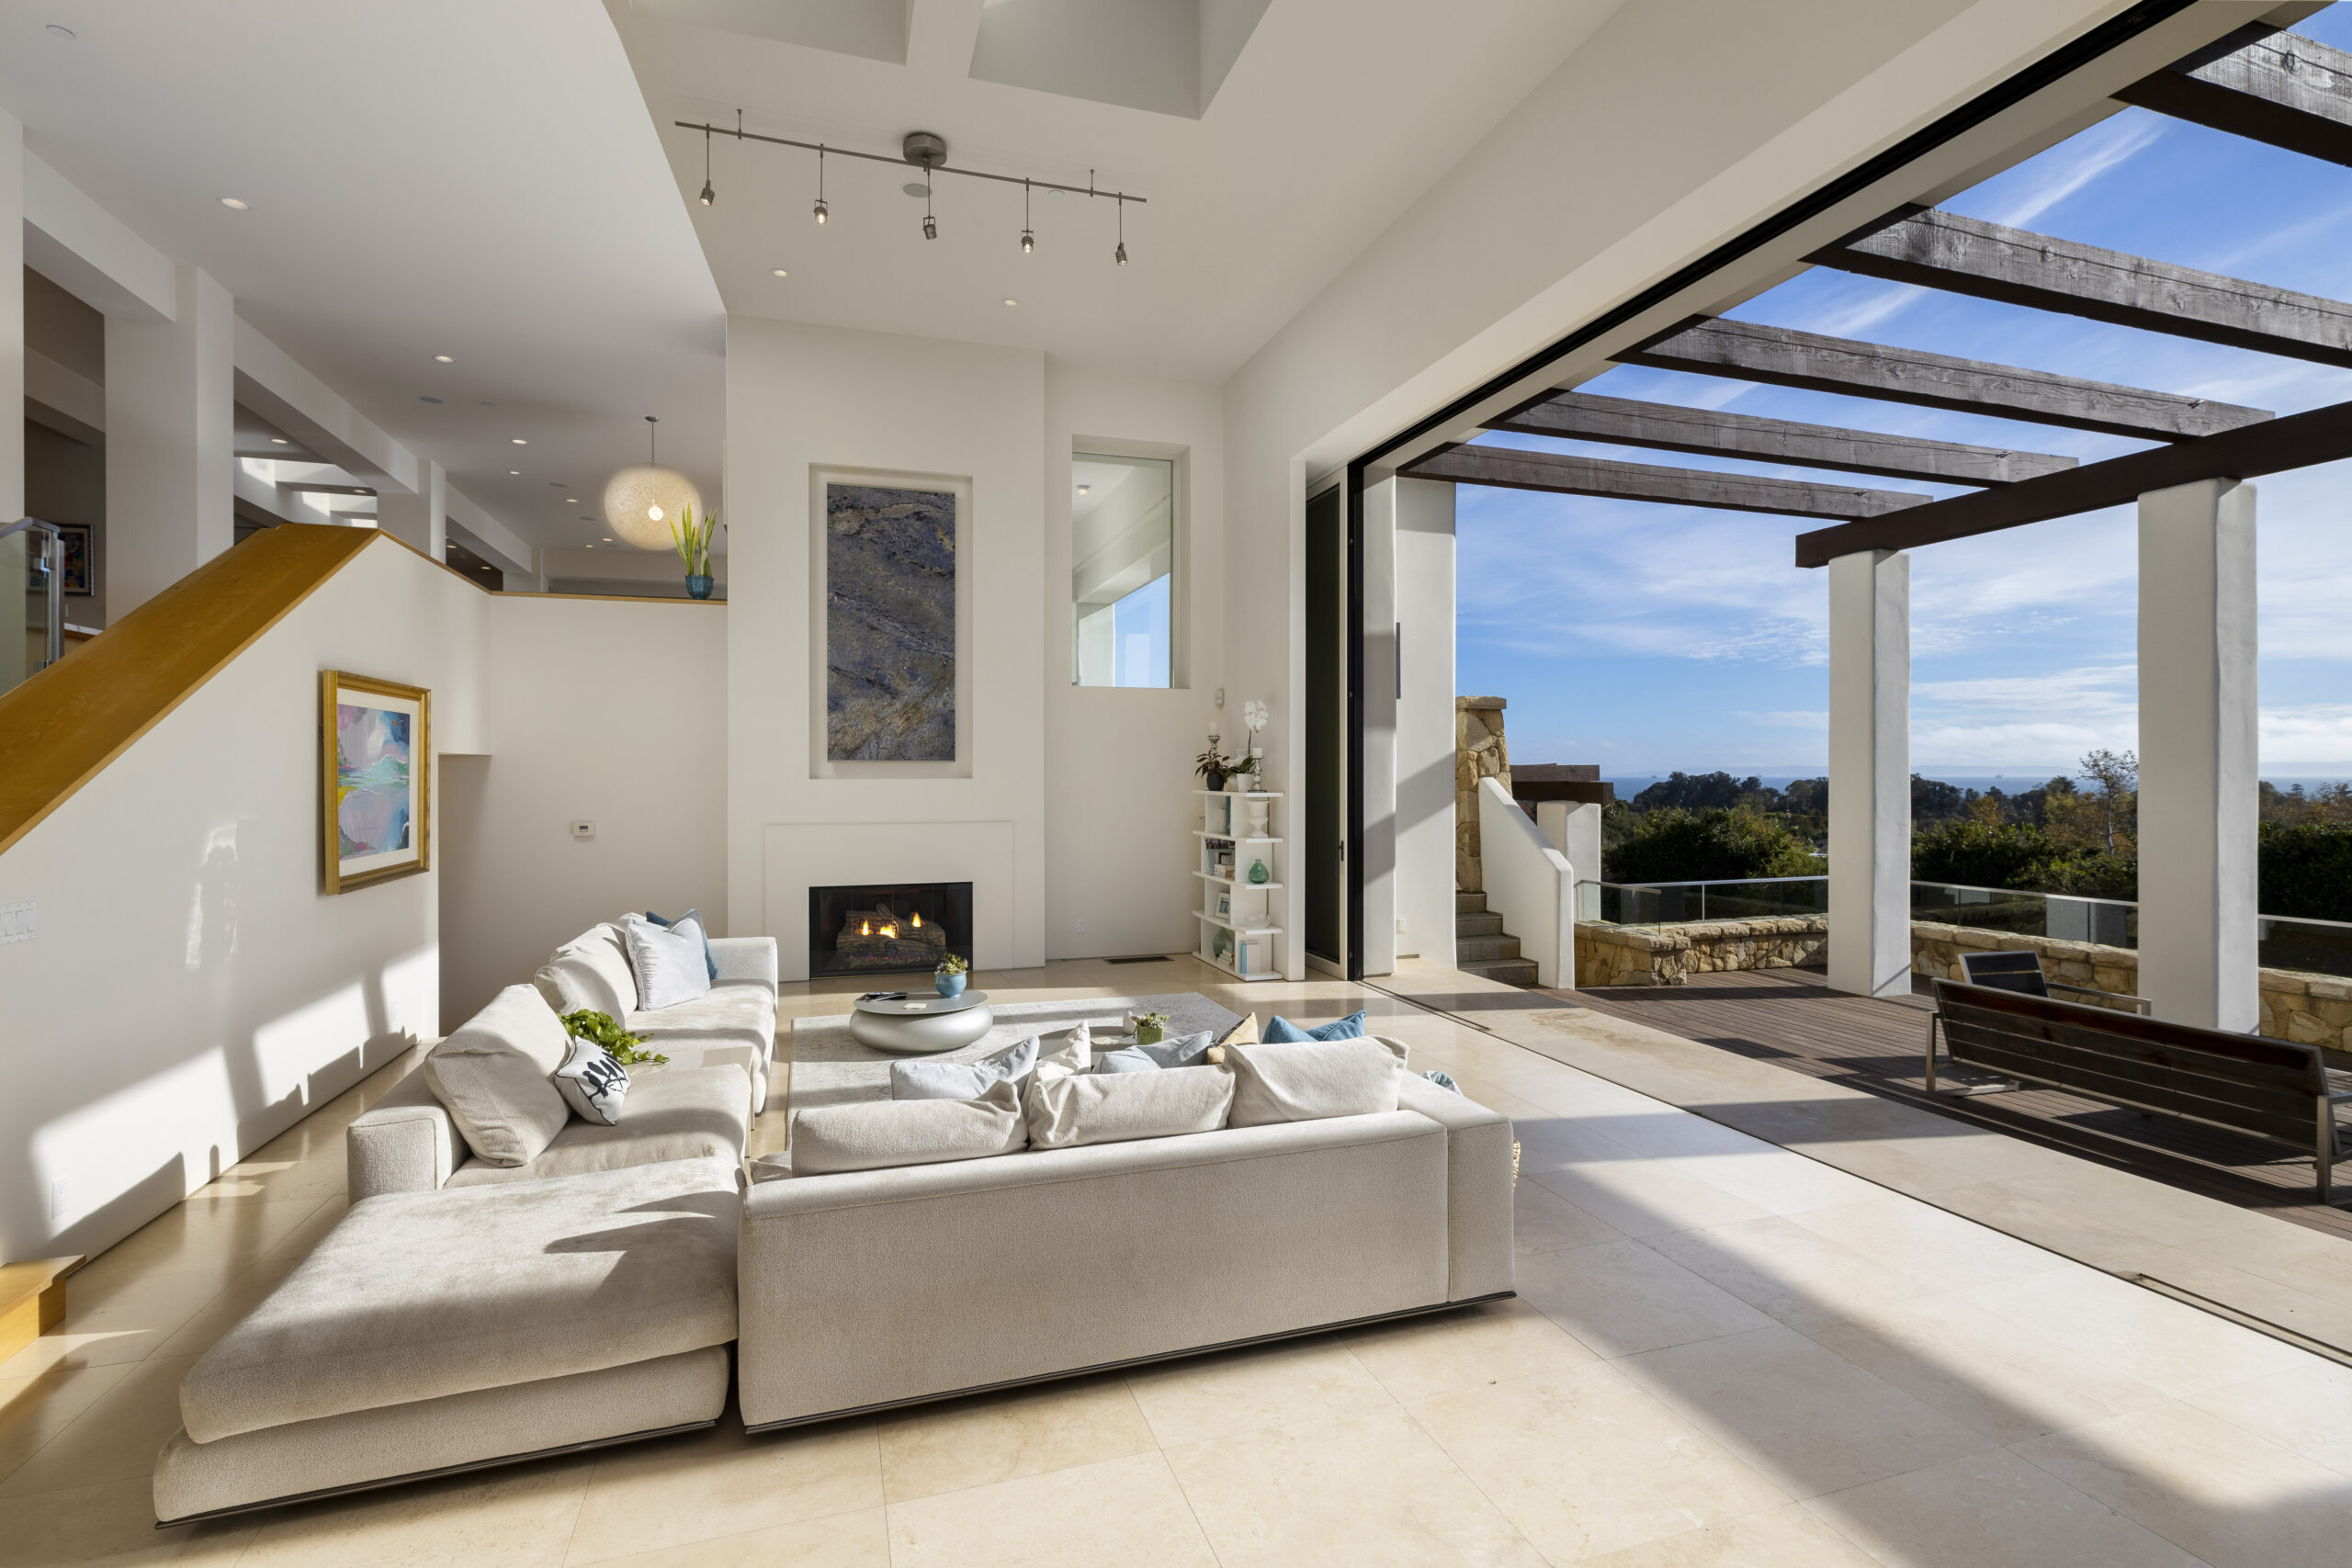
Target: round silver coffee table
(922, 1025)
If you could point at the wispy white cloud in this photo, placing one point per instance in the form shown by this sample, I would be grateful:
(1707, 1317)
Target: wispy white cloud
(2316, 733)
(2043, 182)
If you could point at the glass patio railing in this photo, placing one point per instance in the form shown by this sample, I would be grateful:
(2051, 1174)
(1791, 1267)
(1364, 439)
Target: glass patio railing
(1676, 903)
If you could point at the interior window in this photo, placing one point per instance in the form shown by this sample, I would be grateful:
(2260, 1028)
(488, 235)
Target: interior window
(1123, 556)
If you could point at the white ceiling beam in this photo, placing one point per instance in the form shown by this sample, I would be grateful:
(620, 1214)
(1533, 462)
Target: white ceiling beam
(487, 537)
(70, 393)
(90, 252)
(942, 34)
(271, 384)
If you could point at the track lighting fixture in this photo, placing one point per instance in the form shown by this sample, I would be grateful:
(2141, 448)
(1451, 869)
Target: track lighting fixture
(928, 153)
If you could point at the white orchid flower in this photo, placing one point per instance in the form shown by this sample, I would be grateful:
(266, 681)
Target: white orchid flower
(1254, 714)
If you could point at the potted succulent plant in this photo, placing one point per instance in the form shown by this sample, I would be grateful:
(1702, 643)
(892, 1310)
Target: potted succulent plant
(693, 542)
(1152, 1028)
(949, 977)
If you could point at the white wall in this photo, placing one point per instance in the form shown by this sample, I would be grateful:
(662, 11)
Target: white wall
(191, 991)
(1425, 724)
(1119, 803)
(800, 397)
(612, 713)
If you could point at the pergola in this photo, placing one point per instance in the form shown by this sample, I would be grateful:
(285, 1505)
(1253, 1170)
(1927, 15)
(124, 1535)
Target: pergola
(2197, 638)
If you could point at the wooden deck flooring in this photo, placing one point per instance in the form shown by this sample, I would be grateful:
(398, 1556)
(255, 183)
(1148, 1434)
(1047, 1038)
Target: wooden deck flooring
(1791, 1017)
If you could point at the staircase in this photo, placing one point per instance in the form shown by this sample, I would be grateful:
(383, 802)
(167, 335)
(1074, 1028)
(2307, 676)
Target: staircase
(1482, 948)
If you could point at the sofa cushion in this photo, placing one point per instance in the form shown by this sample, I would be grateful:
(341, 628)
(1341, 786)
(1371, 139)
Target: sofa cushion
(673, 1113)
(702, 929)
(1093, 1108)
(671, 966)
(496, 1077)
(732, 1012)
(962, 1080)
(873, 1134)
(593, 1084)
(1307, 1080)
(1281, 1031)
(591, 971)
(418, 1295)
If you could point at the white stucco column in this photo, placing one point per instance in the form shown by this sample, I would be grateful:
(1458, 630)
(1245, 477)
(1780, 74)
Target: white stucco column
(2198, 755)
(171, 442)
(421, 519)
(1870, 773)
(14, 663)
(1573, 828)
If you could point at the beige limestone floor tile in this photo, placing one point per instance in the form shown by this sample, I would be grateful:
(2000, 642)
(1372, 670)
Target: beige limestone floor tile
(2327, 1318)
(861, 1540)
(1786, 1536)
(1001, 1436)
(2076, 1224)
(517, 1517)
(128, 1315)
(1620, 1297)
(1542, 1221)
(202, 1231)
(1368, 1489)
(1940, 1248)
(2207, 1486)
(1551, 1142)
(116, 1438)
(1643, 1198)
(1808, 1420)
(2000, 1380)
(316, 1175)
(113, 1523)
(1241, 1390)
(1500, 1101)
(1777, 1180)
(2307, 1410)
(34, 1409)
(296, 1244)
(1585, 1461)
(1784, 1269)
(1445, 1352)
(722, 1482)
(1126, 1511)
(224, 1311)
(1992, 1510)
(1652, 1130)
(2173, 1347)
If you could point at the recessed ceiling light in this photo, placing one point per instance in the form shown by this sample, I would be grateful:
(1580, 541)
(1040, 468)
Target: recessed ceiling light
(591, 547)
(572, 500)
(427, 399)
(231, 202)
(444, 359)
(1012, 302)
(56, 30)
(608, 539)
(279, 441)
(1084, 489)
(780, 271)
(519, 441)
(516, 472)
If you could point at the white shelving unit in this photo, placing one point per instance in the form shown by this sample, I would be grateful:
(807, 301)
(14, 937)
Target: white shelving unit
(1237, 916)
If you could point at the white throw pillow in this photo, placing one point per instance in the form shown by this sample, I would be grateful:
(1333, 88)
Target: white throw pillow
(494, 1073)
(668, 961)
(871, 1134)
(593, 1084)
(1307, 1080)
(1074, 1054)
(591, 971)
(1089, 1108)
(962, 1080)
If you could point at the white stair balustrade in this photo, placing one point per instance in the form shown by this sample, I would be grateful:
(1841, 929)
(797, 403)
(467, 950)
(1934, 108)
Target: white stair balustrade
(1530, 883)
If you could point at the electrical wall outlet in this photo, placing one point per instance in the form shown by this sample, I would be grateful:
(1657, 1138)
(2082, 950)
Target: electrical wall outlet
(17, 921)
(57, 1199)
(584, 829)
(1081, 925)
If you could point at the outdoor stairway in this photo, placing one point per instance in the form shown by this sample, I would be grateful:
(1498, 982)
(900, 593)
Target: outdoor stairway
(1482, 948)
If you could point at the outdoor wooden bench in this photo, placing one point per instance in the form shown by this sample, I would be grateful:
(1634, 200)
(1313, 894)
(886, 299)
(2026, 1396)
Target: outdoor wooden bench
(2274, 1090)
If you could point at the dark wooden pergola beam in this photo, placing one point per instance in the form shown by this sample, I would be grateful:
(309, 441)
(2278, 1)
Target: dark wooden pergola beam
(1668, 427)
(2295, 441)
(2267, 86)
(1990, 261)
(1550, 472)
(1782, 357)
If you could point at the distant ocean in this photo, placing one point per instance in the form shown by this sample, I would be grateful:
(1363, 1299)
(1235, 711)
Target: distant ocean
(1630, 784)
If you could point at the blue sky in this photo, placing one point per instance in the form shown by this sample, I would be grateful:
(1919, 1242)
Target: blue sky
(1650, 637)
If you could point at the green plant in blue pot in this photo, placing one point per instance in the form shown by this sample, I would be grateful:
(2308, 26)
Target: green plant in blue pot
(693, 542)
(950, 975)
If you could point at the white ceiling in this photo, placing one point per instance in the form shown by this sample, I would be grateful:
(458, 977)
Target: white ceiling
(426, 176)
(1332, 117)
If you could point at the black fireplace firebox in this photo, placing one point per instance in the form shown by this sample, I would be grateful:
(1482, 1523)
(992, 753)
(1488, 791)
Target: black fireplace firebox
(901, 928)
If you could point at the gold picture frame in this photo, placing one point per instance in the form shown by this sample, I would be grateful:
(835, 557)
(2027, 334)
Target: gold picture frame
(375, 779)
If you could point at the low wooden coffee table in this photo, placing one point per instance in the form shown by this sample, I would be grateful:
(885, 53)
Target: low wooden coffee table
(922, 1025)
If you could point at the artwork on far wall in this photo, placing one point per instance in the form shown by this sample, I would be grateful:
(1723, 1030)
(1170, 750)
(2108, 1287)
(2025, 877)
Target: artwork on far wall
(889, 622)
(376, 746)
(75, 538)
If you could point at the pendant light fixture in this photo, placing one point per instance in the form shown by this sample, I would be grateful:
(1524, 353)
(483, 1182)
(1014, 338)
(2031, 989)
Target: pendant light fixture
(1120, 256)
(708, 195)
(1028, 238)
(821, 209)
(644, 499)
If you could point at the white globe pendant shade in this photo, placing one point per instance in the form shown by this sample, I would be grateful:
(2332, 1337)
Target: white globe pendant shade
(643, 500)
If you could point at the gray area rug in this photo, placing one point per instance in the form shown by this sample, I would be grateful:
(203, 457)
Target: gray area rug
(830, 1066)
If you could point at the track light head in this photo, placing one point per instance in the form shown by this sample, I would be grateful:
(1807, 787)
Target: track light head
(821, 209)
(1120, 256)
(1028, 241)
(930, 226)
(708, 195)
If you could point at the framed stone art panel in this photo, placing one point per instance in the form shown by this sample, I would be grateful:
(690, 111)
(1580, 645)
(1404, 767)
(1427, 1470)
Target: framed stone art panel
(376, 768)
(889, 573)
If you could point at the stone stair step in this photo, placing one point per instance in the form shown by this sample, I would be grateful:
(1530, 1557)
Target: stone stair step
(1509, 971)
(1484, 950)
(1469, 903)
(1478, 925)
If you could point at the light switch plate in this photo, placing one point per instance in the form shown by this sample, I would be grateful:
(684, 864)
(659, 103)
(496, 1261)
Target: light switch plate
(584, 829)
(17, 922)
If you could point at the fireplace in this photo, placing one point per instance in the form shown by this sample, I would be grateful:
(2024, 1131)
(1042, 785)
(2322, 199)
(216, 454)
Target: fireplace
(901, 927)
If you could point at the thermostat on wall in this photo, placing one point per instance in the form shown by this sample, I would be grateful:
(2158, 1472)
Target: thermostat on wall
(584, 829)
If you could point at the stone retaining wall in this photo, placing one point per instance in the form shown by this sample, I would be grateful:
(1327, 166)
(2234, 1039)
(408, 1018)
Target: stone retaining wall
(1635, 955)
(1478, 753)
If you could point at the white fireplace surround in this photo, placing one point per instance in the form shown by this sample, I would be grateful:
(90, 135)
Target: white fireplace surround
(801, 855)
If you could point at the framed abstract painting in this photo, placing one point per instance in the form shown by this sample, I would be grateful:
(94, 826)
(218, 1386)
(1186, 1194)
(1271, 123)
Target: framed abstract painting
(375, 751)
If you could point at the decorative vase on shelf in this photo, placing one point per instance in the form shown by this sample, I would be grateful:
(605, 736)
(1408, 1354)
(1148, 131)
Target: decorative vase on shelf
(1214, 779)
(1256, 819)
(698, 585)
(949, 985)
(1257, 872)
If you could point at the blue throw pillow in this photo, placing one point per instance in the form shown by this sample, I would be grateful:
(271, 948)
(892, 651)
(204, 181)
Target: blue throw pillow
(1185, 1053)
(1281, 1031)
(1126, 1059)
(964, 1079)
(701, 925)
